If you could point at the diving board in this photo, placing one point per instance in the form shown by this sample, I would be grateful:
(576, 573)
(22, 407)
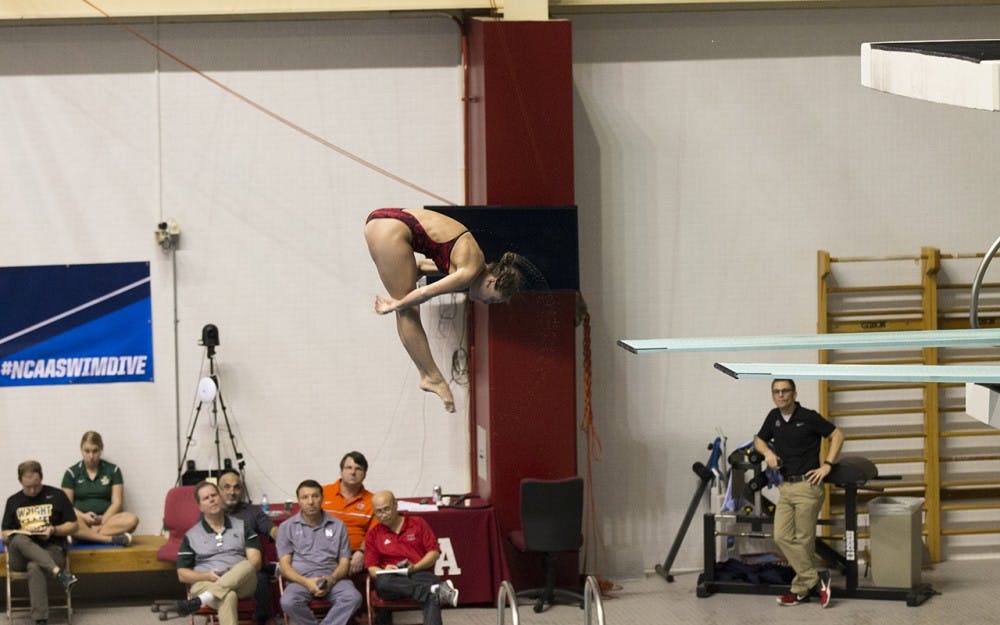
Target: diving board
(976, 374)
(847, 340)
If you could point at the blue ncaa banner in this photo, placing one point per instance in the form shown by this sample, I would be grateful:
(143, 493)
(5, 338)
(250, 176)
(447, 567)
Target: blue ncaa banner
(75, 324)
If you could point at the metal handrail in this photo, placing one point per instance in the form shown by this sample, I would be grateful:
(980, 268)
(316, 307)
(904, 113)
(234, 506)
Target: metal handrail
(591, 598)
(978, 282)
(507, 596)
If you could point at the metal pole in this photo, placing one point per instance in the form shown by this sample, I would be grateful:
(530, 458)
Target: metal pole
(507, 596)
(978, 282)
(592, 600)
(705, 476)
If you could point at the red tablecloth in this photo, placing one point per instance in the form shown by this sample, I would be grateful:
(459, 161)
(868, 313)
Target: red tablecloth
(472, 555)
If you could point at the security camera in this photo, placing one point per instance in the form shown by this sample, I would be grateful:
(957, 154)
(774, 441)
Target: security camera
(168, 234)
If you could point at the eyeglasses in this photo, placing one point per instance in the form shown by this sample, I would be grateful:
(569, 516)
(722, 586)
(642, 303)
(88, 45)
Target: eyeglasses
(782, 391)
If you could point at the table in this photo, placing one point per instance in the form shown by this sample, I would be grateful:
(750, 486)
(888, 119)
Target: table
(472, 554)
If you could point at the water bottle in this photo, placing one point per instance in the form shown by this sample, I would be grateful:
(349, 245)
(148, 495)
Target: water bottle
(436, 495)
(263, 504)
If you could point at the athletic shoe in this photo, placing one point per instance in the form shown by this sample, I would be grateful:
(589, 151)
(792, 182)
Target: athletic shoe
(66, 578)
(188, 606)
(447, 594)
(792, 599)
(122, 540)
(825, 592)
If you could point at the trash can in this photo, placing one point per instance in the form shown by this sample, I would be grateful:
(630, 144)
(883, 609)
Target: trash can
(896, 541)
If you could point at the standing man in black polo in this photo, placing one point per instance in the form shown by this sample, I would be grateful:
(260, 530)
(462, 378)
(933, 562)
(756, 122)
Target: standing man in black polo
(790, 441)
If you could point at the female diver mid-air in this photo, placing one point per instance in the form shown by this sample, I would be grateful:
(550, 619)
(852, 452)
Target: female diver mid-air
(393, 236)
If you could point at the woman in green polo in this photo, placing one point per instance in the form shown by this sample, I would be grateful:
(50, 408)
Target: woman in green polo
(97, 489)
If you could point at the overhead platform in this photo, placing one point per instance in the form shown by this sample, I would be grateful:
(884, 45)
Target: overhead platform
(846, 340)
(976, 374)
(961, 73)
(983, 404)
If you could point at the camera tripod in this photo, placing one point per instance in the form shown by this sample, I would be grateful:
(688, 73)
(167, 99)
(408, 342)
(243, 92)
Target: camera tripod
(210, 340)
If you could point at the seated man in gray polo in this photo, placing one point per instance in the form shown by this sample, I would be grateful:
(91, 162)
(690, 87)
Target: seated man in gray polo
(219, 557)
(314, 555)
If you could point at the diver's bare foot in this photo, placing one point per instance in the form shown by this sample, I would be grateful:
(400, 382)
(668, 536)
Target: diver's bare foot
(442, 390)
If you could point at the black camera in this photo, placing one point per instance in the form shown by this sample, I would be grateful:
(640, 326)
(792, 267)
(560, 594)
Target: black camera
(210, 335)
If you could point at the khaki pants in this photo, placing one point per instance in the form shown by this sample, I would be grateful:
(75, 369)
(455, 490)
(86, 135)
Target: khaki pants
(795, 531)
(238, 583)
(27, 555)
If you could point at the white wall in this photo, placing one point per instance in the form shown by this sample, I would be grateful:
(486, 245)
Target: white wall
(99, 144)
(715, 153)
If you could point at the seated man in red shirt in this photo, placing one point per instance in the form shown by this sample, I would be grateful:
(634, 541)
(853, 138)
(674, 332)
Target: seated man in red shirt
(400, 553)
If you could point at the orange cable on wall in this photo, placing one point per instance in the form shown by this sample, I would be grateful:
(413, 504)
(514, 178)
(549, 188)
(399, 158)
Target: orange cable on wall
(595, 453)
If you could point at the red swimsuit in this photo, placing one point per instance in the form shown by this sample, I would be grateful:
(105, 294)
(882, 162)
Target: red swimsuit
(440, 253)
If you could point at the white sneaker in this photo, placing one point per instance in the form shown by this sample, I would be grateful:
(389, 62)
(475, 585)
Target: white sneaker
(447, 594)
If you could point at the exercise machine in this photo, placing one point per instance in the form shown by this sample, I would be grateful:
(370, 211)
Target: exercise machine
(707, 473)
(851, 474)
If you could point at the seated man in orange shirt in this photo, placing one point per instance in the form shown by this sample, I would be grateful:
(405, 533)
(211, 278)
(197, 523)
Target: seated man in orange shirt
(347, 499)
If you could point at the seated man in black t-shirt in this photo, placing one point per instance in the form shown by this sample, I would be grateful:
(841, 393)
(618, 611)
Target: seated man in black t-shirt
(36, 522)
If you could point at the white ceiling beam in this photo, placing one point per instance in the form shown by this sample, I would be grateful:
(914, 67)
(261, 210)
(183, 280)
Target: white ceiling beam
(526, 10)
(13, 12)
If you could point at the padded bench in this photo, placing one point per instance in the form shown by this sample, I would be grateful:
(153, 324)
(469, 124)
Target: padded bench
(140, 556)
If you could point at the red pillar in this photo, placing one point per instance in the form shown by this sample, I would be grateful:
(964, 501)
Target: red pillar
(520, 109)
(520, 153)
